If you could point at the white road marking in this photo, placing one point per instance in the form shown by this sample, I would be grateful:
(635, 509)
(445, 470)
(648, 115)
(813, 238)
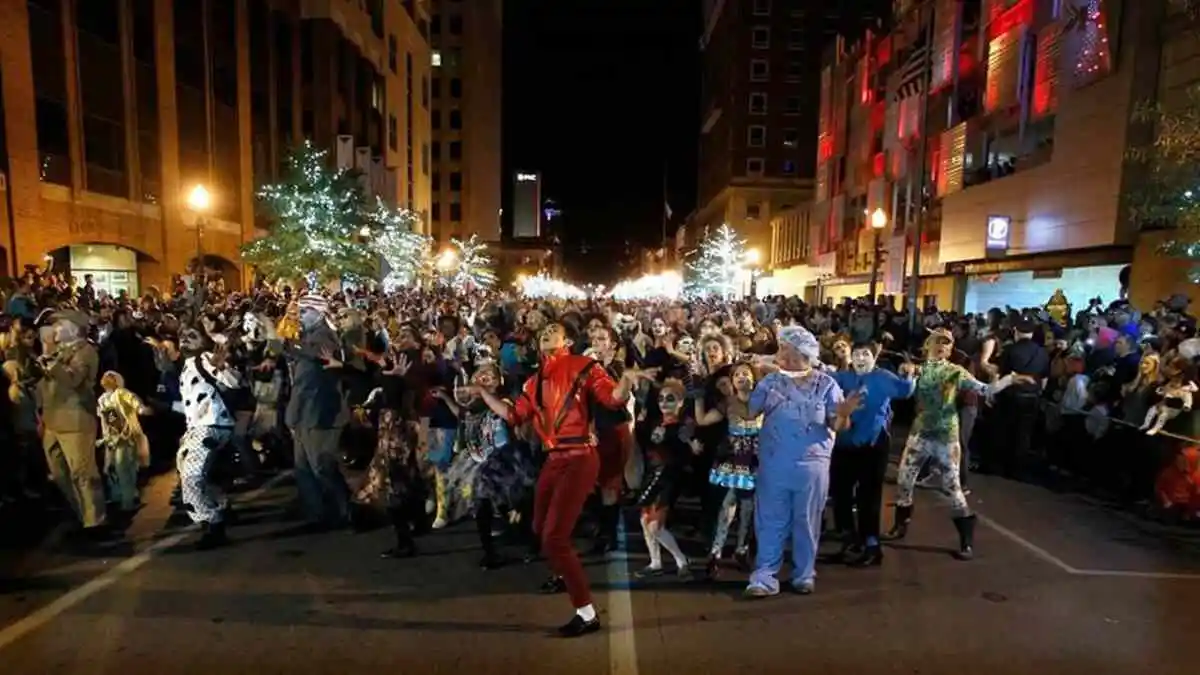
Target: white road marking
(622, 644)
(45, 615)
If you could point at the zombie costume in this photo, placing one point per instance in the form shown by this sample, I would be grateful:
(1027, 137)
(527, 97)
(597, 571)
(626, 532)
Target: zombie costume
(668, 450)
(209, 427)
(393, 482)
(734, 473)
(124, 444)
(934, 438)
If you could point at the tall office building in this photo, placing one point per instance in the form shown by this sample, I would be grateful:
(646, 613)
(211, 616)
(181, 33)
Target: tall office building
(761, 82)
(527, 205)
(114, 109)
(466, 37)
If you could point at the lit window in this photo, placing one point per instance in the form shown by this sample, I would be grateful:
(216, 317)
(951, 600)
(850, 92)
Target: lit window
(791, 138)
(436, 59)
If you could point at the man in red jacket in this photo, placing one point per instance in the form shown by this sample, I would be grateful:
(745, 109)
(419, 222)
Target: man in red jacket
(555, 400)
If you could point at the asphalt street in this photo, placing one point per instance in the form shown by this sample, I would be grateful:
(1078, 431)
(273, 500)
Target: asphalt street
(1060, 585)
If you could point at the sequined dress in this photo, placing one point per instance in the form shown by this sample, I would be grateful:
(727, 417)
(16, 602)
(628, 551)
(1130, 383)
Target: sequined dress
(736, 469)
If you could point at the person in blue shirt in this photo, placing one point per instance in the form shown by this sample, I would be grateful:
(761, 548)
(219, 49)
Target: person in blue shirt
(860, 454)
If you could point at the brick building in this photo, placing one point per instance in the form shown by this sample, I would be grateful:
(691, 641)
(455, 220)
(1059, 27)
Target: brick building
(114, 109)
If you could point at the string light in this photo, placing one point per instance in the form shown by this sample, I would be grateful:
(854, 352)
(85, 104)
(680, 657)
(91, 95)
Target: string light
(719, 268)
(1093, 51)
(668, 286)
(474, 268)
(542, 286)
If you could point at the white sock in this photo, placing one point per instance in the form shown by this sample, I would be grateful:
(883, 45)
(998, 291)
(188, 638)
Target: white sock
(652, 545)
(587, 613)
(668, 541)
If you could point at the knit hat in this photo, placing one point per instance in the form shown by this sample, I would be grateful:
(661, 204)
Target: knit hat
(313, 302)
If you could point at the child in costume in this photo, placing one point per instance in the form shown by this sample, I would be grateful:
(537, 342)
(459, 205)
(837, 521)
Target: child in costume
(125, 446)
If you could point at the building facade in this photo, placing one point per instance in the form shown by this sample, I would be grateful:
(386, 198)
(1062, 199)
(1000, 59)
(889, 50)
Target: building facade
(761, 76)
(467, 40)
(973, 125)
(113, 110)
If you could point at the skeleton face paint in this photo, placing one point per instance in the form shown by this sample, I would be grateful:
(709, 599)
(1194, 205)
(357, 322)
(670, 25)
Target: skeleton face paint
(250, 323)
(658, 327)
(686, 345)
(863, 360)
(669, 402)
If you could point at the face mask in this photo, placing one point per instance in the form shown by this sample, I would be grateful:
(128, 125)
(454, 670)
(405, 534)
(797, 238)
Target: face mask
(863, 360)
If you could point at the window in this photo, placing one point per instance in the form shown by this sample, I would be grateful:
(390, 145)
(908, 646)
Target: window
(456, 181)
(456, 119)
(455, 88)
(435, 119)
(795, 39)
(435, 183)
(758, 103)
(760, 70)
(760, 37)
(791, 106)
(753, 211)
(795, 69)
(435, 59)
(435, 87)
(762, 7)
(456, 24)
(435, 211)
(455, 149)
(424, 161)
(456, 212)
(392, 51)
(435, 24)
(393, 133)
(791, 139)
(754, 166)
(789, 167)
(425, 91)
(437, 150)
(756, 136)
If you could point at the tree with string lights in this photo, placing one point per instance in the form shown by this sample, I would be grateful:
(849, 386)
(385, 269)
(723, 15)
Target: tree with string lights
(407, 253)
(472, 268)
(316, 223)
(718, 268)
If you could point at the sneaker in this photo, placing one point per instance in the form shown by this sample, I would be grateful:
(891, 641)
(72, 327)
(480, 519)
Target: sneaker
(648, 572)
(400, 552)
(439, 523)
(577, 627)
(684, 572)
(804, 587)
(756, 591)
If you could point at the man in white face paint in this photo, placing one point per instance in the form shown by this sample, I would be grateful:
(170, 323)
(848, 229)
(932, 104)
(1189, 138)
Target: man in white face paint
(68, 401)
(860, 454)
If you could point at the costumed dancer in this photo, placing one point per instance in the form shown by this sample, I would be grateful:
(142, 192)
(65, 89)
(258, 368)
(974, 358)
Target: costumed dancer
(667, 448)
(125, 445)
(802, 408)
(492, 469)
(614, 440)
(737, 462)
(934, 437)
(556, 401)
(210, 426)
(860, 453)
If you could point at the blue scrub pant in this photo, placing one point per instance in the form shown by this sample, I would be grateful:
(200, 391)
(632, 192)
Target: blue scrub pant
(789, 502)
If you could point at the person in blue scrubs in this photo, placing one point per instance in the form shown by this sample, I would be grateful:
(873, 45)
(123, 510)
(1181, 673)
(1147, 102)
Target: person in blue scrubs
(802, 408)
(860, 454)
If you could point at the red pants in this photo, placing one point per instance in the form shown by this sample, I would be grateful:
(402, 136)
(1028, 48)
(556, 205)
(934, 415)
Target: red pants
(614, 445)
(564, 484)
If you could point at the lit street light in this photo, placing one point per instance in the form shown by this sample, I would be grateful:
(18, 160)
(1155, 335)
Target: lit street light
(447, 260)
(753, 258)
(879, 220)
(200, 201)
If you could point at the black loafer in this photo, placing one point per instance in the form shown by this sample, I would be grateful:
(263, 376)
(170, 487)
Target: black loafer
(577, 627)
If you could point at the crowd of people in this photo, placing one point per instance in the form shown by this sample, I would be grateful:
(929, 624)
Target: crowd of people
(525, 415)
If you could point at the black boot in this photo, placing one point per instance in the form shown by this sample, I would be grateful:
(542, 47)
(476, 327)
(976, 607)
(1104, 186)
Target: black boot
(966, 537)
(484, 514)
(869, 556)
(213, 535)
(405, 546)
(900, 525)
(606, 539)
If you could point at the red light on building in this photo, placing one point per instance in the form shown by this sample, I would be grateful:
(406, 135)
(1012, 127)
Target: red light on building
(1004, 20)
(883, 52)
(824, 148)
(879, 165)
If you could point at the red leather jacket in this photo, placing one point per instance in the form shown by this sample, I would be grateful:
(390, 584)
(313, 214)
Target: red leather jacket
(559, 411)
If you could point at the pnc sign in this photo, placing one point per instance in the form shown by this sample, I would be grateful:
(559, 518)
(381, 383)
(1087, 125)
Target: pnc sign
(527, 177)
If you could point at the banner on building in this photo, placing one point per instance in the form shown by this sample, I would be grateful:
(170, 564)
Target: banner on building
(893, 274)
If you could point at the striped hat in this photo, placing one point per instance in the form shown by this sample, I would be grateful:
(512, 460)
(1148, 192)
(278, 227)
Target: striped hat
(313, 302)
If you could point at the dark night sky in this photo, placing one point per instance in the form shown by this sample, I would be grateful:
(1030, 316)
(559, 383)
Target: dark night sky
(601, 96)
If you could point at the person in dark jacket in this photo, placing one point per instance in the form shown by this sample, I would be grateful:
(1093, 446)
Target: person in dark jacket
(317, 414)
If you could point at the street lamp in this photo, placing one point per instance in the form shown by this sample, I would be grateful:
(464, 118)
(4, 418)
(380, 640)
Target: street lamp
(200, 201)
(879, 221)
(447, 260)
(753, 258)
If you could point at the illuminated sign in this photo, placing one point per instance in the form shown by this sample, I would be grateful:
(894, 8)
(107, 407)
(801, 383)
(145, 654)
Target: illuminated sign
(527, 205)
(999, 229)
(527, 178)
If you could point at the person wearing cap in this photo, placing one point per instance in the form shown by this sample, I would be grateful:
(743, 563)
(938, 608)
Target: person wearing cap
(317, 413)
(67, 397)
(934, 437)
(802, 408)
(556, 400)
(1019, 405)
